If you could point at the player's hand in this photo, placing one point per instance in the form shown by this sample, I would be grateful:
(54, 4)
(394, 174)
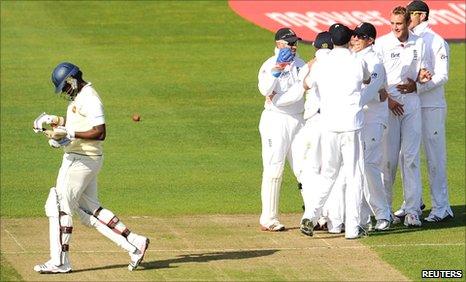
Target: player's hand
(59, 143)
(58, 133)
(408, 87)
(383, 95)
(268, 99)
(395, 107)
(285, 55)
(424, 76)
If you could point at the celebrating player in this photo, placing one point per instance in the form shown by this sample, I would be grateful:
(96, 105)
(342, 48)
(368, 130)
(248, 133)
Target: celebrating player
(375, 120)
(433, 110)
(280, 121)
(403, 54)
(80, 135)
(338, 78)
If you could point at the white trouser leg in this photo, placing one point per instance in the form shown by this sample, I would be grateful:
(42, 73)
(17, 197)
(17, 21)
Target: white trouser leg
(331, 163)
(409, 158)
(391, 153)
(334, 207)
(433, 139)
(375, 193)
(277, 133)
(353, 168)
(312, 159)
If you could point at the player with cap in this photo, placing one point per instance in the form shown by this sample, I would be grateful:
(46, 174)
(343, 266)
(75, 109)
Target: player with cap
(338, 78)
(307, 145)
(279, 77)
(433, 110)
(403, 56)
(375, 120)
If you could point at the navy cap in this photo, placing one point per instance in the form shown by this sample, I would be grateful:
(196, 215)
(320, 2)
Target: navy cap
(286, 34)
(323, 41)
(366, 30)
(341, 34)
(418, 6)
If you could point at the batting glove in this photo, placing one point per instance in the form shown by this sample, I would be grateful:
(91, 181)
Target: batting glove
(58, 133)
(59, 143)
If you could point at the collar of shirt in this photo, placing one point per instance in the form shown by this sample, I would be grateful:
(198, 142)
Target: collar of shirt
(364, 51)
(420, 28)
(322, 52)
(340, 50)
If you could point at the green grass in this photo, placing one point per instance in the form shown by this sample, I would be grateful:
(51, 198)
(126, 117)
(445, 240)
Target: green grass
(190, 70)
(7, 272)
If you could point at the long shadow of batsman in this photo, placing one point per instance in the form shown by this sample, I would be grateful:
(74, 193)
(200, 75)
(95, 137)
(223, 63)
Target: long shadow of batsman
(201, 257)
(206, 257)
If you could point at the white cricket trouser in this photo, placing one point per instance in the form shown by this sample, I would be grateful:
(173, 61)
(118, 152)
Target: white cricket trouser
(433, 139)
(374, 191)
(77, 183)
(277, 132)
(341, 150)
(402, 143)
(309, 138)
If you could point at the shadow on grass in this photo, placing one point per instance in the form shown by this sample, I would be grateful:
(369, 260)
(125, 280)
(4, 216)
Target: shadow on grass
(206, 257)
(190, 258)
(458, 221)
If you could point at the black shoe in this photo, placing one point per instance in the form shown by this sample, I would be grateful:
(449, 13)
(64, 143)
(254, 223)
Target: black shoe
(307, 227)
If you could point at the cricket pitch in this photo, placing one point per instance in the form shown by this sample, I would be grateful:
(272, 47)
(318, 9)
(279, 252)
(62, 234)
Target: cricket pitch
(206, 247)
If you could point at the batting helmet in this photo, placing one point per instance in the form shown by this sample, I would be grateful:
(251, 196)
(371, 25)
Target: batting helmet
(61, 73)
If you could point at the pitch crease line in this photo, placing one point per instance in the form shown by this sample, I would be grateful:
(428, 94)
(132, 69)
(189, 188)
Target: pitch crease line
(14, 239)
(252, 250)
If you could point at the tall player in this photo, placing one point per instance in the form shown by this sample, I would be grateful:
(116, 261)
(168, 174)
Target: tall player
(403, 54)
(80, 135)
(280, 121)
(433, 110)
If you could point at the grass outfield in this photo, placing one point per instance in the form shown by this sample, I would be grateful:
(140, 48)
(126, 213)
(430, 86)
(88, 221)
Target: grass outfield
(190, 70)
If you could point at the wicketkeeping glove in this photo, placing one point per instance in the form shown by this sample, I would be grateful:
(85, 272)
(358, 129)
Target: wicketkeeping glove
(285, 56)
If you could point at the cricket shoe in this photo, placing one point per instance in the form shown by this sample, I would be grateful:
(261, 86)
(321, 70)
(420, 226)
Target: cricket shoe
(394, 219)
(412, 220)
(382, 225)
(361, 233)
(307, 227)
(274, 227)
(50, 268)
(141, 243)
(434, 218)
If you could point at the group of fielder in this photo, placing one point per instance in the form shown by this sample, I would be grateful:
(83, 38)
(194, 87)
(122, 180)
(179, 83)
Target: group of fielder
(348, 117)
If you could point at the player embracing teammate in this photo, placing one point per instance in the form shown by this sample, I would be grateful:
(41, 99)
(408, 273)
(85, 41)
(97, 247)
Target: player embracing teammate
(368, 105)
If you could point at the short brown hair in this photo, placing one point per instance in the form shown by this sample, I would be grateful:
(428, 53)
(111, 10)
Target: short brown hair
(400, 10)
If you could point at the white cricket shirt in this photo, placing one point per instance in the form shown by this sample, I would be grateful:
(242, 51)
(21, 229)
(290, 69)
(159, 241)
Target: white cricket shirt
(374, 111)
(338, 78)
(432, 93)
(286, 86)
(85, 112)
(402, 60)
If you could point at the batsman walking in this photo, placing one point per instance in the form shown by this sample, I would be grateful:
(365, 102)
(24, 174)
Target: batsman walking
(80, 135)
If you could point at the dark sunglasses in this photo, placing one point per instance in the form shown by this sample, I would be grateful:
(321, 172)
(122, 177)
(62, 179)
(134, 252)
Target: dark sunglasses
(361, 36)
(293, 43)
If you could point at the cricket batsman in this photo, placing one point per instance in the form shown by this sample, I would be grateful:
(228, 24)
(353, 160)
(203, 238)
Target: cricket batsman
(80, 135)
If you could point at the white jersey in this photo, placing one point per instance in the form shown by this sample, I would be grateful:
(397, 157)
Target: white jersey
(437, 53)
(338, 78)
(285, 86)
(85, 112)
(402, 60)
(374, 111)
(312, 104)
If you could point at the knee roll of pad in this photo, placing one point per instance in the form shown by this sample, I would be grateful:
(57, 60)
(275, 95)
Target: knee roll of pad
(111, 220)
